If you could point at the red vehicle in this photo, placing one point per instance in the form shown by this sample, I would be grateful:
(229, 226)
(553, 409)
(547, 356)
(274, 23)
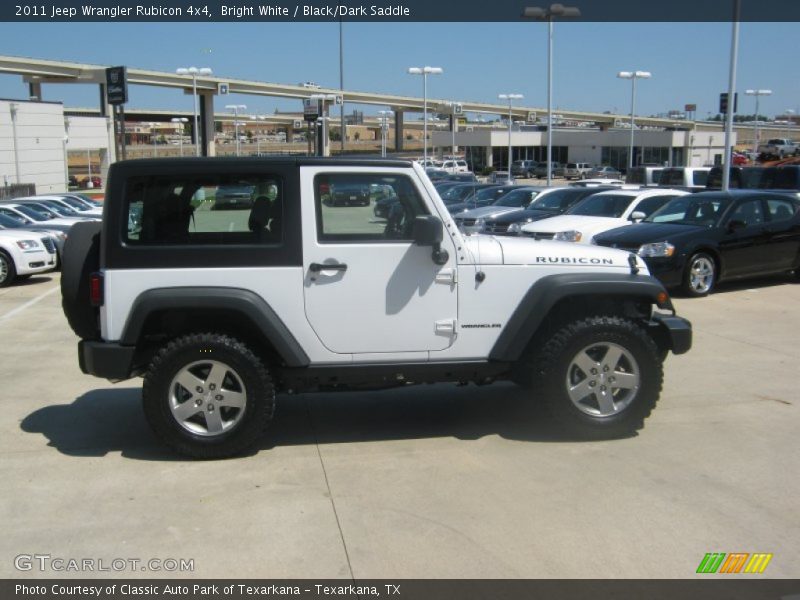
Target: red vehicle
(95, 180)
(739, 159)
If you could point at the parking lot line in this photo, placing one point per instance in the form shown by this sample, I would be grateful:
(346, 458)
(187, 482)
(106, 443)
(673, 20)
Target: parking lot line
(28, 304)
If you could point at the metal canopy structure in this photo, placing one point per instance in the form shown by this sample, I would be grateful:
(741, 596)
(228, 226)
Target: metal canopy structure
(38, 71)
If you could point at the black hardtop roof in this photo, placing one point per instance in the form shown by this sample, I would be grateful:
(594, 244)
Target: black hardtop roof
(743, 192)
(250, 161)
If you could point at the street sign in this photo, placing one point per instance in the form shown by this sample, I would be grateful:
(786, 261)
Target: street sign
(223, 89)
(340, 99)
(297, 124)
(531, 117)
(690, 108)
(723, 103)
(116, 85)
(458, 109)
(311, 109)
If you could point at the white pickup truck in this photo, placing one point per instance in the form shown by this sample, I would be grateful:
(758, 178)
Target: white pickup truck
(778, 148)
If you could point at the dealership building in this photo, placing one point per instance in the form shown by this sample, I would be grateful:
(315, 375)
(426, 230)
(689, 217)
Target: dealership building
(488, 147)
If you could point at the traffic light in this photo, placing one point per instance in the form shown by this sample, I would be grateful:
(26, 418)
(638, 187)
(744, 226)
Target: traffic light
(723, 103)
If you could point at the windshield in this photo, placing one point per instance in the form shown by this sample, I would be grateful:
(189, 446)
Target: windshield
(457, 193)
(554, 201)
(32, 214)
(517, 198)
(603, 205)
(488, 194)
(75, 204)
(10, 222)
(690, 210)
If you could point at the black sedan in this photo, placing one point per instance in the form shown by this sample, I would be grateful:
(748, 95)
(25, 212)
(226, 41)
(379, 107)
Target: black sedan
(696, 241)
(482, 197)
(548, 203)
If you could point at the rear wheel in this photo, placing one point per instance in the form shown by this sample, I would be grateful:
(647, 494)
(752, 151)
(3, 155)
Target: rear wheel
(700, 276)
(208, 396)
(8, 272)
(600, 377)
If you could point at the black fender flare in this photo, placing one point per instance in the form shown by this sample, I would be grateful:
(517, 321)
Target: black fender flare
(548, 291)
(236, 300)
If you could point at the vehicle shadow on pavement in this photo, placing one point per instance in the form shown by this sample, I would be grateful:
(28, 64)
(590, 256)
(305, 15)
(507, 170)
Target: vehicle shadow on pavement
(111, 420)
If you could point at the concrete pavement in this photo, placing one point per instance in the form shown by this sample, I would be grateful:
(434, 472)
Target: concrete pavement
(432, 481)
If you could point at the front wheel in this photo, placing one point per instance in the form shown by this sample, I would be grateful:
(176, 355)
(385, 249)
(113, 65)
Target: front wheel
(700, 275)
(600, 377)
(8, 272)
(208, 396)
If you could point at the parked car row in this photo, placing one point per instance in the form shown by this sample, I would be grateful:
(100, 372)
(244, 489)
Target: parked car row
(690, 240)
(33, 231)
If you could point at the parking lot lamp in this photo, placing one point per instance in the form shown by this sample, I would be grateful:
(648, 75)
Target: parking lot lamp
(633, 76)
(194, 72)
(385, 115)
(757, 94)
(153, 138)
(510, 98)
(548, 14)
(425, 71)
(235, 108)
(182, 121)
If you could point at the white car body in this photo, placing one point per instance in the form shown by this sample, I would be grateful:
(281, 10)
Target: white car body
(455, 166)
(589, 226)
(597, 182)
(93, 212)
(27, 260)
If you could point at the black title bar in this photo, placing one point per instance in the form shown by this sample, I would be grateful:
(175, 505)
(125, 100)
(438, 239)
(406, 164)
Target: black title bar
(206, 11)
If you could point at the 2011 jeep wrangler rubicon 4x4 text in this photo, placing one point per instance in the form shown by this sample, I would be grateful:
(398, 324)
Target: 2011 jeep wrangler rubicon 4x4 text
(221, 309)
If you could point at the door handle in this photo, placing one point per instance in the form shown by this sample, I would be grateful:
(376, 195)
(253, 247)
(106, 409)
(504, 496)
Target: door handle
(317, 267)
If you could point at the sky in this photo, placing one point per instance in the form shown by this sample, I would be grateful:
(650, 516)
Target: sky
(689, 61)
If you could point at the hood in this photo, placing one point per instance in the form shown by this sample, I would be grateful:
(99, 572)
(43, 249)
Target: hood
(643, 233)
(525, 215)
(588, 226)
(485, 212)
(526, 251)
(22, 234)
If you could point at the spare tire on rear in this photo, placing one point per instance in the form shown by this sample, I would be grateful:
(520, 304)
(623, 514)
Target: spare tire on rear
(80, 259)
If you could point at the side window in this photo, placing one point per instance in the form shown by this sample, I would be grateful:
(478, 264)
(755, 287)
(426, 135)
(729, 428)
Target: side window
(198, 209)
(749, 212)
(700, 177)
(780, 210)
(366, 207)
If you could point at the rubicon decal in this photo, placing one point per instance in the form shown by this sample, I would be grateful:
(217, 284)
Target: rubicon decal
(572, 260)
(735, 562)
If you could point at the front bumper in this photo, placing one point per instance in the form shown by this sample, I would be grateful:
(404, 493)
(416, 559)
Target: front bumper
(105, 359)
(668, 271)
(673, 332)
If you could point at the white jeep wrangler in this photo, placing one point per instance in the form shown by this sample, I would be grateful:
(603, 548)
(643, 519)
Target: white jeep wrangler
(221, 308)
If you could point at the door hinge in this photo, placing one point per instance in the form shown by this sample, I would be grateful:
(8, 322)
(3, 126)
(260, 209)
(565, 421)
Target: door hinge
(445, 327)
(447, 276)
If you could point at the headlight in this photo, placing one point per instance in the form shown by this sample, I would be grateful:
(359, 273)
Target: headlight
(27, 244)
(515, 228)
(568, 236)
(480, 222)
(60, 235)
(659, 249)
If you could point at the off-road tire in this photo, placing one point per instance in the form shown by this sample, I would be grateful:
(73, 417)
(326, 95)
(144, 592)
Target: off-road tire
(551, 363)
(80, 259)
(189, 349)
(8, 272)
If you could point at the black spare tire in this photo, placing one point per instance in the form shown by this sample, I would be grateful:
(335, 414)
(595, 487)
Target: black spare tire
(81, 258)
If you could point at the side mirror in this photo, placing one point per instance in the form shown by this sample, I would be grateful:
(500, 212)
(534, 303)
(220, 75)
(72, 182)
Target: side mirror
(736, 225)
(637, 216)
(427, 230)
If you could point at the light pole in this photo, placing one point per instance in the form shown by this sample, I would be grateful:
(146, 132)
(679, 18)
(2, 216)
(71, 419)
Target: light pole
(510, 98)
(194, 72)
(789, 114)
(633, 76)
(548, 14)
(425, 71)
(182, 121)
(385, 115)
(235, 108)
(153, 138)
(757, 94)
(258, 138)
(324, 130)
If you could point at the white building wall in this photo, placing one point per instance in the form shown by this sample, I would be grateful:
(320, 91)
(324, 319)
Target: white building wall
(32, 145)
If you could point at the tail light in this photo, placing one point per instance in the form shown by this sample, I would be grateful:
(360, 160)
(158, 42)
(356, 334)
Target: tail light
(96, 289)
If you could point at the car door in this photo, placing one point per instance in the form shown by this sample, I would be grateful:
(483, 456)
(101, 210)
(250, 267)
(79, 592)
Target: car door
(743, 247)
(783, 232)
(369, 290)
